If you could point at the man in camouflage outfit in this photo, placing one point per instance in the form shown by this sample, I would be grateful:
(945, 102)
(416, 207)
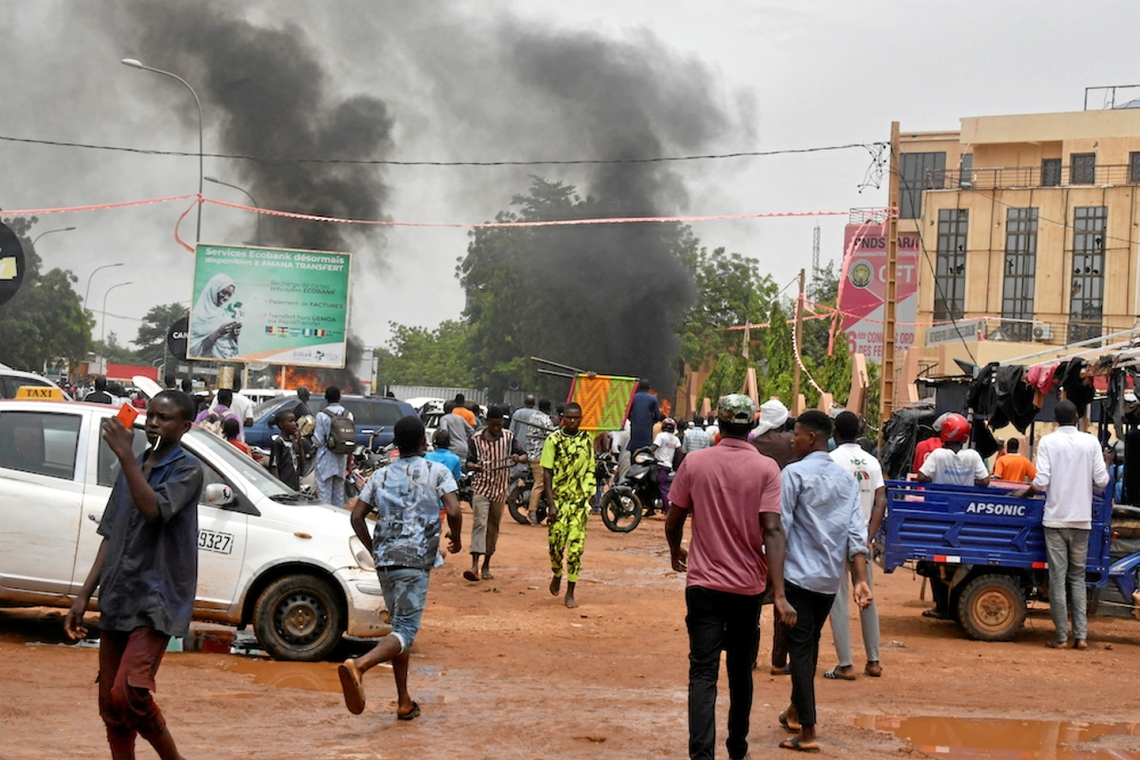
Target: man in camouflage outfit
(568, 464)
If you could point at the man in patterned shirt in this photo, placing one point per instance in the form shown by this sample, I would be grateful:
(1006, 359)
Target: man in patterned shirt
(536, 433)
(568, 464)
(490, 455)
(406, 496)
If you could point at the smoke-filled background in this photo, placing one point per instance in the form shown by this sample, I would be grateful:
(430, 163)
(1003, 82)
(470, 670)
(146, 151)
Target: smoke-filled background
(489, 81)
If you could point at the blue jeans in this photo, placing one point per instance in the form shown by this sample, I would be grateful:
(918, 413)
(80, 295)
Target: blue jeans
(718, 620)
(405, 595)
(1067, 550)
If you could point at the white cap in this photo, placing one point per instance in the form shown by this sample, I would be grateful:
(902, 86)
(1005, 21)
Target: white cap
(773, 416)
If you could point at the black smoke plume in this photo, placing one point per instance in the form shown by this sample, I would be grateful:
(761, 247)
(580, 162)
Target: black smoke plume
(614, 295)
(268, 91)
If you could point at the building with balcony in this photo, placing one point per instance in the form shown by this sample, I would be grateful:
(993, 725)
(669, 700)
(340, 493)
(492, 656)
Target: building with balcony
(1028, 227)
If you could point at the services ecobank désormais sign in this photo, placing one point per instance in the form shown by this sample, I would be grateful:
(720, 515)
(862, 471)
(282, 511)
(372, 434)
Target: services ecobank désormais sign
(269, 305)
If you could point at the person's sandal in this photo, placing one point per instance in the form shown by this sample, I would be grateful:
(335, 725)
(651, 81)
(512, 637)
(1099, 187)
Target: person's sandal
(835, 675)
(875, 671)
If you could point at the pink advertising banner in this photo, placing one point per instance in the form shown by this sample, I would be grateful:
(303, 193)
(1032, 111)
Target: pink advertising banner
(863, 288)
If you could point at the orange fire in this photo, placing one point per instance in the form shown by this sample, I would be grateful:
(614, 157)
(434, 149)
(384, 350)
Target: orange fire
(316, 380)
(666, 407)
(297, 376)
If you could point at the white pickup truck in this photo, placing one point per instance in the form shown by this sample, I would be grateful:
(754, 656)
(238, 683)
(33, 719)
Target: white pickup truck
(268, 556)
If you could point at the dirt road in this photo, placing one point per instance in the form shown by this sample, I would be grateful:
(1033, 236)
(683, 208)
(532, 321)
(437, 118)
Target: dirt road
(503, 670)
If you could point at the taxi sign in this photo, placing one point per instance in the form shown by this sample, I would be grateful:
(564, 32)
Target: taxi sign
(39, 393)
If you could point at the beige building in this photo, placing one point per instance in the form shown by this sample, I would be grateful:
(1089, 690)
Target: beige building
(1028, 225)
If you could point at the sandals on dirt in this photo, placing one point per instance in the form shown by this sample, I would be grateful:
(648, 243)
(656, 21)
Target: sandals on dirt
(874, 671)
(470, 576)
(794, 743)
(410, 714)
(835, 675)
(789, 726)
(352, 686)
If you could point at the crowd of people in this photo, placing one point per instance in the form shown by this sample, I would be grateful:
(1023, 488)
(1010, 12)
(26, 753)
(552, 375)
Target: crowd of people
(780, 511)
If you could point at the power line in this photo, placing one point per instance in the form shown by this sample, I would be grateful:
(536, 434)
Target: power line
(271, 161)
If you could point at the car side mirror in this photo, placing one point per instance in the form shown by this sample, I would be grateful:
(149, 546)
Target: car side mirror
(218, 495)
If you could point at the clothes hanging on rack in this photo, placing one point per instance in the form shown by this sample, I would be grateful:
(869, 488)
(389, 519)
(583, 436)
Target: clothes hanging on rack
(983, 395)
(1014, 398)
(1076, 385)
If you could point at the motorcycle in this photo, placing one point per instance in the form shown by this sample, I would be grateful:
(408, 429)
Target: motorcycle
(518, 501)
(365, 461)
(624, 504)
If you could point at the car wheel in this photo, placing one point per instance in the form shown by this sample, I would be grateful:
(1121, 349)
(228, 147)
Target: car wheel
(299, 617)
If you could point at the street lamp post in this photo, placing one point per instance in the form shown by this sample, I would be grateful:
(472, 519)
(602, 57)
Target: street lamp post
(217, 181)
(103, 318)
(48, 232)
(87, 290)
(135, 64)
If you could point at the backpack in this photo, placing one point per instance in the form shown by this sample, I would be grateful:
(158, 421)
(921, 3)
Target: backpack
(342, 433)
(212, 424)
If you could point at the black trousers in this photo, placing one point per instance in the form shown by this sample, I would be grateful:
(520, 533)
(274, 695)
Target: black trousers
(811, 609)
(718, 621)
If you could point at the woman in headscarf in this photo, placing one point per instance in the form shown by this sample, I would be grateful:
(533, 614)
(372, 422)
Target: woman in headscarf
(214, 330)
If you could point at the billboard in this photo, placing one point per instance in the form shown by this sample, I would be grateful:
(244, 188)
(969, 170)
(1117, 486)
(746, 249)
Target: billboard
(270, 306)
(863, 288)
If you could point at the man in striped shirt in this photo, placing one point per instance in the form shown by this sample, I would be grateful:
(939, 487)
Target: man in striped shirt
(490, 456)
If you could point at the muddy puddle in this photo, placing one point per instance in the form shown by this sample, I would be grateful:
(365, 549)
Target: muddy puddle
(317, 676)
(998, 739)
(311, 676)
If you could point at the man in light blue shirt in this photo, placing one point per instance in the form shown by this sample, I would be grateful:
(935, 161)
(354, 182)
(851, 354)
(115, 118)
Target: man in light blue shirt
(330, 467)
(823, 522)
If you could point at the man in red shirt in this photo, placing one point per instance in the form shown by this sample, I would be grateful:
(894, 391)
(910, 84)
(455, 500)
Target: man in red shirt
(736, 551)
(925, 446)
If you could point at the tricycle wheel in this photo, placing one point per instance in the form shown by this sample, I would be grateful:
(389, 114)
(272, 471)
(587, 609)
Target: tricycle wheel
(992, 608)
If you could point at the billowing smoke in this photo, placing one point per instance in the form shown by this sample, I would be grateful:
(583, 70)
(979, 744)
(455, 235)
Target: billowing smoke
(269, 91)
(619, 290)
(613, 294)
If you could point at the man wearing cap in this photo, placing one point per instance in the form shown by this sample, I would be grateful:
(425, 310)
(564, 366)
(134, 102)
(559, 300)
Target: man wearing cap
(490, 455)
(736, 551)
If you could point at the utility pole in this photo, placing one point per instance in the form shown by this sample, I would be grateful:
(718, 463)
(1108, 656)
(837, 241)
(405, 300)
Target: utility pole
(815, 253)
(797, 333)
(887, 377)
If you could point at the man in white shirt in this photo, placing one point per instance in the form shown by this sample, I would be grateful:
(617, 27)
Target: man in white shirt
(868, 474)
(1069, 465)
(952, 464)
(665, 446)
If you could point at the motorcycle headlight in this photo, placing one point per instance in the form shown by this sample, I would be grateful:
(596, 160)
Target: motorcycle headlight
(363, 557)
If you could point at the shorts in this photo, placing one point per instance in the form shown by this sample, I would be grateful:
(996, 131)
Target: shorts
(405, 595)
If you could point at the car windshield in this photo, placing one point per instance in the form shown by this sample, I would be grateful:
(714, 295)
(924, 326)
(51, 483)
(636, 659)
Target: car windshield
(254, 473)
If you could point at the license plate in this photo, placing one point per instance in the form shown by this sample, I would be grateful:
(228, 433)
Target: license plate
(213, 541)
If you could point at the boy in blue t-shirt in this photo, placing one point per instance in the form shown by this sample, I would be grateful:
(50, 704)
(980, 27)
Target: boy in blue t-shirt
(442, 454)
(146, 571)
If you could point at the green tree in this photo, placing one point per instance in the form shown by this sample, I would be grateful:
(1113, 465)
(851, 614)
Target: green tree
(418, 356)
(830, 369)
(45, 321)
(151, 337)
(731, 292)
(606, 298)
(777, 380)
(115, 353)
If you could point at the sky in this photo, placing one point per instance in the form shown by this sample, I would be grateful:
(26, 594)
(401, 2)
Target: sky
(771, 76)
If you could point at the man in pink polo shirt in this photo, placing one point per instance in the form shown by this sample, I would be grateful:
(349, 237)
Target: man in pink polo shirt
(736, 549)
